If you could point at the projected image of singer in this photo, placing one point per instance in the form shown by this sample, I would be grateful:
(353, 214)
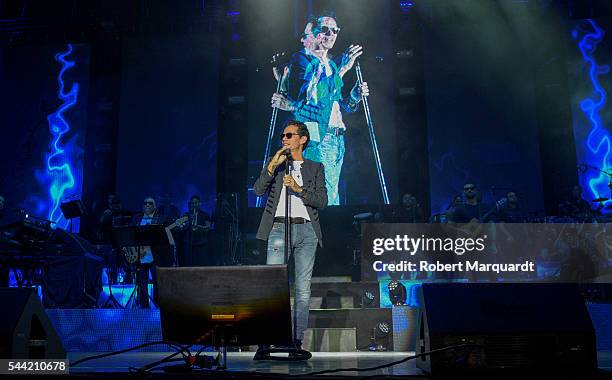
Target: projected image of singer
(313, 83)
(306, 186)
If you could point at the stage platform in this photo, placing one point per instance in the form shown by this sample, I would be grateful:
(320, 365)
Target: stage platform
(241, 365)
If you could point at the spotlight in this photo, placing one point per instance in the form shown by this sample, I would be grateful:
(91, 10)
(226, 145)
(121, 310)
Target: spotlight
(406, 6)
(397, 293)
(380, 333)
(233, 100)
(382, 330)
(367, 299)
(407, 91)
(404, 54)
(237, 61)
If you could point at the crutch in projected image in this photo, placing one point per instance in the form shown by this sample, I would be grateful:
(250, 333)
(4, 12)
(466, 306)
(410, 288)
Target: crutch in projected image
(281, 76)
(366, 109)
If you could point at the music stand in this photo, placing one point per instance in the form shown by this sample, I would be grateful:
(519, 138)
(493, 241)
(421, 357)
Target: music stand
(72, 209)
(225, 306)
(153, 235)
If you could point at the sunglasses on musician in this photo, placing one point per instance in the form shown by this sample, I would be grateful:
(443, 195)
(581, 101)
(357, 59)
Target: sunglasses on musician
(326, 30)
(289, 135)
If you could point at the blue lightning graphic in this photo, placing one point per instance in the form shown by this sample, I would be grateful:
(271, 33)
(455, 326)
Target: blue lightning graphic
(598, 141)
(59, 171)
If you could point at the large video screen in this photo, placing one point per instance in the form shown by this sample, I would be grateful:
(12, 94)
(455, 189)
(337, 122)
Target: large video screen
(317, 82)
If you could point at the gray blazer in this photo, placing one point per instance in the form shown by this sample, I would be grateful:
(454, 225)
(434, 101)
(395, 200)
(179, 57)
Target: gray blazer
(314, 195)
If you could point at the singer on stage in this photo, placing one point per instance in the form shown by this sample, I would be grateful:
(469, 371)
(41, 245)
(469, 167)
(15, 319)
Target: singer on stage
(307, 194)
(314, 96)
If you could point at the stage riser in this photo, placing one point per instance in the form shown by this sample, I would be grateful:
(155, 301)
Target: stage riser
(330, 340)
(105, 330)
(334, 295)
(365, 322)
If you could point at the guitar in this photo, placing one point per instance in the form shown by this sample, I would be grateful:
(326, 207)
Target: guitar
(134, 254)
(475, 226)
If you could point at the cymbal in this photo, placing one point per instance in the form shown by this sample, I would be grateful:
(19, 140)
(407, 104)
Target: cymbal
(602, 199)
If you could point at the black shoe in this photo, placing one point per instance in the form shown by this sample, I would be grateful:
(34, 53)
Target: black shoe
(262, 352)
(297, 346)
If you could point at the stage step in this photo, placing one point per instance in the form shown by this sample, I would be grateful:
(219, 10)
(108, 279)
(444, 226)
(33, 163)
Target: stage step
(350, 330)
(344, 295)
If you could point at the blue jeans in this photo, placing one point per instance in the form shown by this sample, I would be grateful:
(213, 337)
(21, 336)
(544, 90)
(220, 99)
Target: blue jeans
(329, 152)
(304, 245)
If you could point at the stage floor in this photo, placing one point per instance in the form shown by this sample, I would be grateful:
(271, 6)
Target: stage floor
(241, 363)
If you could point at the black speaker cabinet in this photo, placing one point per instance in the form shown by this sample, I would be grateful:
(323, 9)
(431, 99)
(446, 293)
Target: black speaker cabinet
(25, 329)
(513, 327)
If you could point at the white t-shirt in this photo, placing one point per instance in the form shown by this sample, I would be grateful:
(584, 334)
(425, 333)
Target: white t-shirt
(297, 209)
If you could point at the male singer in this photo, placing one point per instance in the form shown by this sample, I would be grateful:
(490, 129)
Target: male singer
(307, 194)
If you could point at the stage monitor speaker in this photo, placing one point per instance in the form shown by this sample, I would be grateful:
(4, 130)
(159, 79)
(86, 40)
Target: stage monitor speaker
(514, 327)
(236, 305)
(25, 329)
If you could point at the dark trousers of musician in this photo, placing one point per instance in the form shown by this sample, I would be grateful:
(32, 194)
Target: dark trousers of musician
(142, 281)
(194, 255)
(303, 248)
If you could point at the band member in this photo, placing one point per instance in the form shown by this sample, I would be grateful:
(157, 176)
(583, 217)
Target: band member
(409, 211)
(194, 236)
(511, 211)
(147, 264)
(472, 209)
(112, 216)
(576, 206)
(306, 187)
(314, 96)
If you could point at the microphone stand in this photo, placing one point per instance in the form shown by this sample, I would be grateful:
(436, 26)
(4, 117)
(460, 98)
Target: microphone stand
(287, 213)
(288, 236)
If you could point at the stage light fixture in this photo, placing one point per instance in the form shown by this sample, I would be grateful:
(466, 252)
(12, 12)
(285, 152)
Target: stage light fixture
(406, 6)
(407, 91)
(397, 293)
(237, 61)
(382, 330)
(404, 54)
(233, 100)
(367, 299)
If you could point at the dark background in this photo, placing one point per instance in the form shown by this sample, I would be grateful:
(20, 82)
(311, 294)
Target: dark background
(167, 138)
(29, 94)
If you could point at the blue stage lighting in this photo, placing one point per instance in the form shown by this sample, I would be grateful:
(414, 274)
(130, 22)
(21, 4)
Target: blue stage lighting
(59, 175)
(598, 141)
(406, 6)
